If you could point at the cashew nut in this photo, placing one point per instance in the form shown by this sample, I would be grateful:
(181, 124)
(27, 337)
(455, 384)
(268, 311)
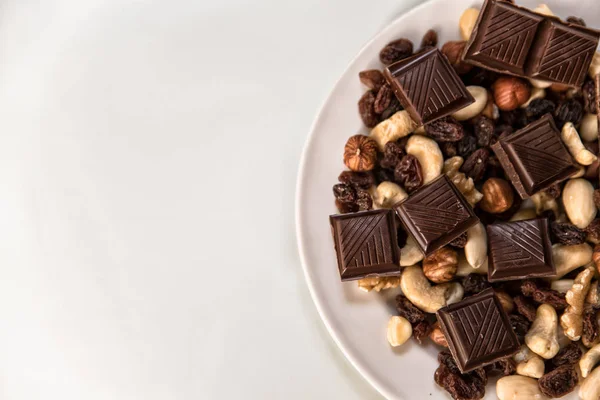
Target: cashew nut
(426, 297)
(387, 194)
(429, 155)
(523, 214)
(590, 388)
(467, 22)
(378, 283)
(543, 202)
(562, 285)
(540, 84)
(544, 10)
(474, 109)
(410, 254)
(395, 127)
(594, 66)
(528, 363)
(589, 127)
(573, 142)
(568, 258)
(536, 93)
(515, 387)
(580, 172)
(465, 185)
(399, 331)
(464, 268)
(506, 300)
(476, 247)
(572, 319)
(589, 360)
(578, 199)
(542, 337)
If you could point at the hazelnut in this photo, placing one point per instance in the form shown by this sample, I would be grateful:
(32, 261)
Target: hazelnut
(453, 51)
(498, 196)
(441, 266)
(510, 92)
(506, 300)
(360, 153)
(437, 335)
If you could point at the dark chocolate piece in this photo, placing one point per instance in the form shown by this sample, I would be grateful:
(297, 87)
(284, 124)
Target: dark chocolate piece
(366, 244)
(427, 86)
(519, 250)
(436, 214)
(535, 157)
(514, 40)
(478, 331)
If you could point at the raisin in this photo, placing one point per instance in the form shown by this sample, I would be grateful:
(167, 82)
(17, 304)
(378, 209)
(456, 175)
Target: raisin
(344, 193)
(570, 110)
(408, 310)
(364, 201)
(396, 51)
(460, 242)
(539, 107)
(515, 118)
(559, 382)
(483, 128)
(589, 96)
(503, 130)
(480, 77)
(590, 328)
(421, 330)
(568, 355)
(392, 109)
(392, 155)
(366, 109)
(525, 308)
(360, 180)
(475, 164)
(383, 99)
(466, 146)
(469, 386)
(475, 283)
(520, 326)
(597, 198)
(383, 175)
(503, 367)
(542, 294)
(592, 231)
(445, 130)
(565, 233)
(576, 21)
(430, 39)
(402, 237)
(446, 359)
(372, 78)
(345, 208)
(408, 173)
(449, 149)
(553, 191)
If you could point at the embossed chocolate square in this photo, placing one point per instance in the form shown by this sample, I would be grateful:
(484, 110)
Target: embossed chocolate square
(478, 331)
(519, 250)
(535, 157)
(436, 214)
(366, 244)
(427, 86)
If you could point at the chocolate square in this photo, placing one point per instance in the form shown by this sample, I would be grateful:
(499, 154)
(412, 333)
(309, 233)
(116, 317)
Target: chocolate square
(535, 157)
(503, 37)
(436, 214)
(519, 250)
(478, 331)
(427, 86)
(366, 244)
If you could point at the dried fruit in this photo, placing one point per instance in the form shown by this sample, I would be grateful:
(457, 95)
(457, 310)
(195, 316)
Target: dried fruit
(383, 175)
(392, 109)
(541, 294)
(437, 335)
(441, 266)
(475, 164)
(553, 192)
(570, 110)
(453, 51)
(510, 92)
(539, 107)
(576, 20)
(592, 231)
(483, 128)
(372, 78)
(383, 99)
(396, 51)
(421, 330)
(460, 241)
(475, 283)
(449, 149)
(345, 208)
(591, 330)
(503, 367)
(445, 130)
(525, 308)
(360, 180)
(366, 109)
(408, 173)
(466, 146)
(515, 118)
(344, 193)
(364, 201)
(520, 326)
(392, 154)
(565, 233)
(559, 382)
(568, 355)
(502, 130)
(470, 386)
(409, 311)
(597, 198)
(480, 77)
(430, 39)
(498, 196)
(360, 153)
(589, 96)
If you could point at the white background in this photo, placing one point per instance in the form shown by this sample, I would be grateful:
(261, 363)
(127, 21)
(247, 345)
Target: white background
(148, 160)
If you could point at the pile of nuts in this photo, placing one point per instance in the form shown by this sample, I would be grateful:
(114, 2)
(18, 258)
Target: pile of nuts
(557, 321)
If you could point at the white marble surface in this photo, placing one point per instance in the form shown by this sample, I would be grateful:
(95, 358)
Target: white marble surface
(148, 159)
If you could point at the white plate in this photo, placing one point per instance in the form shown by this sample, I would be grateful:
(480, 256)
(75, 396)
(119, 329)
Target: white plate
(356, 320)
